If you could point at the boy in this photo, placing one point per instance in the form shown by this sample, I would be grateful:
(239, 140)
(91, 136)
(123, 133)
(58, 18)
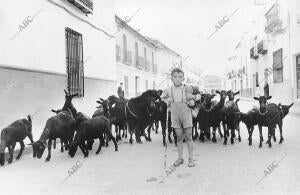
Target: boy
(177, 97)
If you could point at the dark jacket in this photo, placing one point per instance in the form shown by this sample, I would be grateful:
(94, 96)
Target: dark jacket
(120, 92)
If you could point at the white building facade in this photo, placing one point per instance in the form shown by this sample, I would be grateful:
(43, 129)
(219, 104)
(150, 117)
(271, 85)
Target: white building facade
(273, 57)
(142, 62)
(47, 46)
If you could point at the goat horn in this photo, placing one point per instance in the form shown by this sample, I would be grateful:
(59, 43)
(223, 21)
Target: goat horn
(65, 92)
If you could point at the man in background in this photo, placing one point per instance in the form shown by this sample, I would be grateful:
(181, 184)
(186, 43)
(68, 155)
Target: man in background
(121, 91)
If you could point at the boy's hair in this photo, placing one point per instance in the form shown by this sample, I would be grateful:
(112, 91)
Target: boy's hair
(178, 70)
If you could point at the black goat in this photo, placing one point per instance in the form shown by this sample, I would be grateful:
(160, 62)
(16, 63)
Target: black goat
(203, 116)
(231, 120)
(15, 132)
(60, 126)
(216, 114)
(68, 103)
(270, 115)
(89, 130)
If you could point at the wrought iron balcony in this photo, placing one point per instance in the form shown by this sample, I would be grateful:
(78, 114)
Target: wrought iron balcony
(140, 62)
(274, 26)
(253, 53)
(261, 48)
(127, 57)
(85, 6)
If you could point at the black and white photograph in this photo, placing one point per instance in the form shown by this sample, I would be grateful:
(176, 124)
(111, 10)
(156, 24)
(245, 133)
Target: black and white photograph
(149, 97)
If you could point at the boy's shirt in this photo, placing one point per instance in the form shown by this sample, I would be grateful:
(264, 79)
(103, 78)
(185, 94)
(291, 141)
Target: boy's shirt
(177, 95)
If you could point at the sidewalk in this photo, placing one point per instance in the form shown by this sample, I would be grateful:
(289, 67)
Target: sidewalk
(295, 109)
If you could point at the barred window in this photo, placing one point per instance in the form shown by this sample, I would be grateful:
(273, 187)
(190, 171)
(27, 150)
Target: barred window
(74, 61)
(277, 66)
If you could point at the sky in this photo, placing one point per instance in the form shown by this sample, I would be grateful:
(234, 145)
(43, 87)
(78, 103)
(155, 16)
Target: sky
(185, 25)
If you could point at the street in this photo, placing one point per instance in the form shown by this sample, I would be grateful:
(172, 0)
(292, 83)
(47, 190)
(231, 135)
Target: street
(139, 168)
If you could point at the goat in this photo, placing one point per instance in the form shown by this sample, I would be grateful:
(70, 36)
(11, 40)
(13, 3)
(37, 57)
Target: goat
(60, 126)
(270, 115)
(15, 132)
(88, 130)
(231, 120)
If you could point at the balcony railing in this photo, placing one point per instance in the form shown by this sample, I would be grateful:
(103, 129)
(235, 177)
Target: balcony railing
(85, 6)
(140, 62)
(147, 67)
(261, 48)
(127, 57)
(253, 53)
(154, 68)
(274, 26)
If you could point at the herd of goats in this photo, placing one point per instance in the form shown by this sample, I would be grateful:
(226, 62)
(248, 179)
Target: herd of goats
(139, 116)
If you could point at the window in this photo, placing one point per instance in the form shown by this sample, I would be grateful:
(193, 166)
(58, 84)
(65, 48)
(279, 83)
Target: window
(136, 46)
(74, 61)
(146, 85)
(125, 46)
(137, 85)
(256, 80)
(277, 66)
(126, 86)
(118, 53)
(272, 17)
(298, 75)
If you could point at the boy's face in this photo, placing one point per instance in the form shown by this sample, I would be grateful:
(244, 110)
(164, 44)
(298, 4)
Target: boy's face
(177, 78)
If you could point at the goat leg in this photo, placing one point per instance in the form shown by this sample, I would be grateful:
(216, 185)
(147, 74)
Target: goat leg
(49, 150)
(21, 150)
(31, 140)
(101, 140)
(54, 144)
(238, 128)
(219, 130)
(214, 140)
(270, 134)
(280, 130)
(261, 139)
(11, 149)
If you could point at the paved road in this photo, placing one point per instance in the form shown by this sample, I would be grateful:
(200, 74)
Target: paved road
(139, 169)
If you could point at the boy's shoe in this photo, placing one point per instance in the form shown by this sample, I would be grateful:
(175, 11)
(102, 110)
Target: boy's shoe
(178, 162)
(191, 163)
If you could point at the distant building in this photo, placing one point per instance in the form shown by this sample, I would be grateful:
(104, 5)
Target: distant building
(269, 54)
(212, 82)
(142, 62)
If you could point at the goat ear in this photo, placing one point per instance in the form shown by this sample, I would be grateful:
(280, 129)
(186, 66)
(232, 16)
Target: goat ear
(55, 111)
(269, 97)
(218, 92)
(237, 93)
(256, 98)
(102, 99)
(65, 92)
(291, 105)
(98, 102)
